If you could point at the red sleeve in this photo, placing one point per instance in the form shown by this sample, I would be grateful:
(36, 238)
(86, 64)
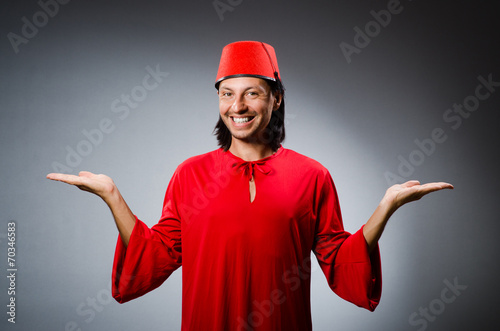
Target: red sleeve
(352, 273)
(151, 255)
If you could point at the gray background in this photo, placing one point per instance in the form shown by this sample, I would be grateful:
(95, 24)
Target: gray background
(355, 118)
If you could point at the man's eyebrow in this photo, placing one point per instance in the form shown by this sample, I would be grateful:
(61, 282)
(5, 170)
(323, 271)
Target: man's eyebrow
(257, 87)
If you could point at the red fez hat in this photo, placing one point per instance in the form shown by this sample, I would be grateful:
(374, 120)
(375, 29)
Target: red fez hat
(248, 58)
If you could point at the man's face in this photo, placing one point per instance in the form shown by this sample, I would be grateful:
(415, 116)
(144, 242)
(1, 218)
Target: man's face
(246, 105)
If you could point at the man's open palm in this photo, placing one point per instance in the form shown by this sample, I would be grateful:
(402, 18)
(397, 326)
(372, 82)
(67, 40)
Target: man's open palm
(100, 185)
(400, 194)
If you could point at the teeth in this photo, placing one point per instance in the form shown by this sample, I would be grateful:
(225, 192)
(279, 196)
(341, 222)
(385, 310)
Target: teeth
(241, 119)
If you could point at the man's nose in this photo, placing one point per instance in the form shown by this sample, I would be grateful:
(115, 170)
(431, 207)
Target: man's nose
(239, 105)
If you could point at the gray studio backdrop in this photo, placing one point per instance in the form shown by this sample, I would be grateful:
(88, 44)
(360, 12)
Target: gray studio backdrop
(377, 91)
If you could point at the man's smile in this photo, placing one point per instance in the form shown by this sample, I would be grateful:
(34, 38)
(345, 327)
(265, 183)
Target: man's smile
(241, 120)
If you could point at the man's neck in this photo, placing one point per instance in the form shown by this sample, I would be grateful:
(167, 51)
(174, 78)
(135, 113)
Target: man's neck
(249, 151)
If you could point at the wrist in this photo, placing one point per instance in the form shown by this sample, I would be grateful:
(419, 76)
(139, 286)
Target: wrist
(387, 207)
(112, 196)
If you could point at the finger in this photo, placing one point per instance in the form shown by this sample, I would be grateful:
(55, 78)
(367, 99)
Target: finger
(410, 183)
(439, 185)
(432, 187)
(446, 185)
(85, 174)
(69, 179)
(55, 176)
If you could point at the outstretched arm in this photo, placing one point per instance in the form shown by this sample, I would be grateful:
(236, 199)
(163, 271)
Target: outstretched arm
(395, 197)
(104, 187)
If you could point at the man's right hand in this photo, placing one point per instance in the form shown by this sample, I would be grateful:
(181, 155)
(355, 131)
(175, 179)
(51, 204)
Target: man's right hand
(100, 185)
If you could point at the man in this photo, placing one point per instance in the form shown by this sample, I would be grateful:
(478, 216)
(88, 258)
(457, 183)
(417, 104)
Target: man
(242, 220)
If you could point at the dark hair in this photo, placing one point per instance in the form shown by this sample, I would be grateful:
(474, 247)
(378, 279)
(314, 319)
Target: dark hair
(273, 135)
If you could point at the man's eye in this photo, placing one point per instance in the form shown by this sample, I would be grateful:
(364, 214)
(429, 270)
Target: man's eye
(226, 94)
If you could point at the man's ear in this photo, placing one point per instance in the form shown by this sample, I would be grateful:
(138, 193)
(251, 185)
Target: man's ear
(277, 101)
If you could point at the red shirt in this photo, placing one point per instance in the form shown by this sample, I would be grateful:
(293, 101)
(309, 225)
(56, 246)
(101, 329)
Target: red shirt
(246, 265)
